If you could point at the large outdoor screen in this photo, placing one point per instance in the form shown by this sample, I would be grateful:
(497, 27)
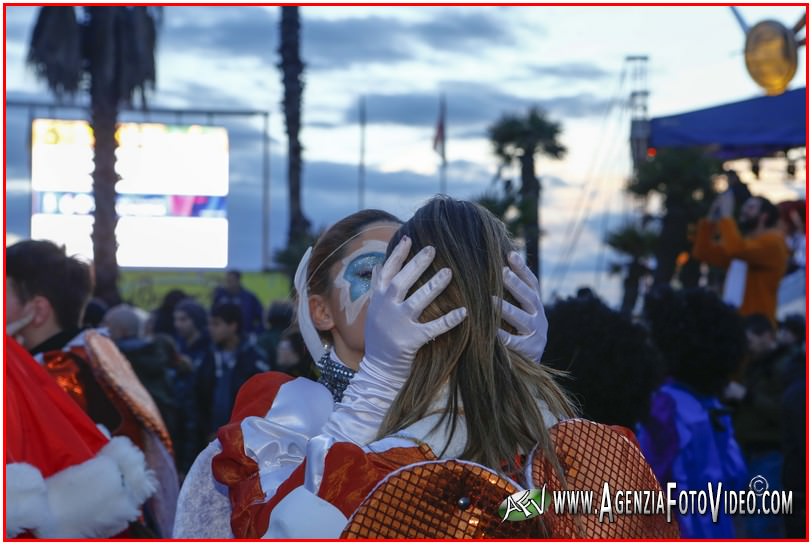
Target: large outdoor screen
(172, 192)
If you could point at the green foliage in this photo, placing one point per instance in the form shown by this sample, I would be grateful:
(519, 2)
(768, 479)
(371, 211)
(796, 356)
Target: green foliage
(110, 48)
(513, 136)
(684, 176)
(616, 268)
(632, 241)
(55, 52)
(519, 138)
(505, 205)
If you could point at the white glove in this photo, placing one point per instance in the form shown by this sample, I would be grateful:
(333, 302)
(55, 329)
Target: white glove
(392, 337)
(530, 321)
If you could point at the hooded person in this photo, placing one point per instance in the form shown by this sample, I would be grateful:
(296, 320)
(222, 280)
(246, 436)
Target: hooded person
(191, 322)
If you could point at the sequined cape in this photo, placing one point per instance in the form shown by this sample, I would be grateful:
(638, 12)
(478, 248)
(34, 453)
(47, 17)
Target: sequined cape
(356, 488)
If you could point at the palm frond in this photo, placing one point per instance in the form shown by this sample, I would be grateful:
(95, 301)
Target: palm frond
(632, 241)
(55, 50)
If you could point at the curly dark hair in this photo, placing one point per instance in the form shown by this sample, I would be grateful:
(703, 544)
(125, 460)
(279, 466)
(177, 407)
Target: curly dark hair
(701, 337)
(613, 366)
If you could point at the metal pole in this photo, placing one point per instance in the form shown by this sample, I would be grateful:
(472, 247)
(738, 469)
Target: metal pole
(799, 25)
(442, 178)
(740, 19)
(362, 114)
(30, 149)
(443, 164)
(266, 192)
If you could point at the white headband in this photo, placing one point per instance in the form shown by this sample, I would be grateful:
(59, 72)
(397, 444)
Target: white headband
(306, 327)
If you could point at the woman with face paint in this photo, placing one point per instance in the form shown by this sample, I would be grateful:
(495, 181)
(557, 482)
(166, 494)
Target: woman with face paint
(471, 419)
(254, 456)
(332, 285)
(331, 282)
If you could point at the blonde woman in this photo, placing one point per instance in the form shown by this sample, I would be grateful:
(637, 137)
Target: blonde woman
(276, 415)
(445, 379)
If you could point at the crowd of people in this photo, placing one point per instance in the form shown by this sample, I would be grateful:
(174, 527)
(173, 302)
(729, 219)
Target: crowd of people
(416, 362)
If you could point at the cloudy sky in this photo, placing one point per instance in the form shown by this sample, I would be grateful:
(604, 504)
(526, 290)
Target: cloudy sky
(487, 61)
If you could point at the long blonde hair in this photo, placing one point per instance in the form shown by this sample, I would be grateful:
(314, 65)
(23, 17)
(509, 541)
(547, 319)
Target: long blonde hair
(496, 388)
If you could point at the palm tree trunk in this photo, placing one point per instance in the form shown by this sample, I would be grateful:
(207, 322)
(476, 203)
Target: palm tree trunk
(292, 68)
(531, 190)
(671, 242)
(103, 120)
(631, 288)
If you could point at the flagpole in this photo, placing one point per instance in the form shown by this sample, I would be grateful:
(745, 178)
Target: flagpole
(442, 178)
(439, 142)
(362, 114)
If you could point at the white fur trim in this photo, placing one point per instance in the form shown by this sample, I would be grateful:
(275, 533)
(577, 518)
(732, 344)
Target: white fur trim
(26, 498)
(139, 481)
(100, 497)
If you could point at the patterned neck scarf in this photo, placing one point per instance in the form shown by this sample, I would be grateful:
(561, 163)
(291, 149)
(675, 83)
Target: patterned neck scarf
(335, 376)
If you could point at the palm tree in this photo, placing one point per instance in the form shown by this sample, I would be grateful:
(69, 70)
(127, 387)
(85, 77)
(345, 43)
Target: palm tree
(637, 245)
(516, 138)
(292, 68)
(684, 178)
(109, 53)
(503, 205)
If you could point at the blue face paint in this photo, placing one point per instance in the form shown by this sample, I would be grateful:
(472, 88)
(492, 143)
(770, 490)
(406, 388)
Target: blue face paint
(359, 273)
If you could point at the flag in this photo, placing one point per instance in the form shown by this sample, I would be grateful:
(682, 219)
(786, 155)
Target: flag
(439, 133)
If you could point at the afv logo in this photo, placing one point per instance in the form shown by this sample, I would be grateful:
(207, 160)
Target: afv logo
(524, 504)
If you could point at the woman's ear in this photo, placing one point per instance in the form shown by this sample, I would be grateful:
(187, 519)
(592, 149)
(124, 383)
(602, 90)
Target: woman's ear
(320, 313)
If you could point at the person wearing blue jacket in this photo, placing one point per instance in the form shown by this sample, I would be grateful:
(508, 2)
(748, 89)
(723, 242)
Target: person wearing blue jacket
(688, 435)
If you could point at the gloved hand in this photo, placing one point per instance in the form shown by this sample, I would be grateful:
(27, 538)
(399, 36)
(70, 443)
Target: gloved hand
(392, 337)
(530, 321)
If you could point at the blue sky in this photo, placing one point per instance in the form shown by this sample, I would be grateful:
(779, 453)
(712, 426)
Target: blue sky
(486, 60)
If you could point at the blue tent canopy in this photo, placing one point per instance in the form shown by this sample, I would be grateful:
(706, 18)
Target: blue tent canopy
(757, 127)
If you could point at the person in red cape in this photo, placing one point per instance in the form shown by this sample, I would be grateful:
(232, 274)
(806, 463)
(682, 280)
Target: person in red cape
(46, 293)
(64, 478)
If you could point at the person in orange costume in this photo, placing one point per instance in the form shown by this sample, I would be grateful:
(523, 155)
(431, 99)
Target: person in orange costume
(64, 477)
(469, 409)
(755, 256)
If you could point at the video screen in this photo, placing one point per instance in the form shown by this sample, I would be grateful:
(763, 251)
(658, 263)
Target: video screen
(173, 191)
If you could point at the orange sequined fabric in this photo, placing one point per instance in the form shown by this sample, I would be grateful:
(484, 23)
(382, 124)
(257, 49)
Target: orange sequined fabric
(453, 499)
(115, 373)
(590, 455)
(447, 499)
(65, 371)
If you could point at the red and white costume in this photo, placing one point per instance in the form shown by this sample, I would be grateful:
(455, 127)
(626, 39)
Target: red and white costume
(94, 373)
(296, 465)
(64, 478)
(286, 481)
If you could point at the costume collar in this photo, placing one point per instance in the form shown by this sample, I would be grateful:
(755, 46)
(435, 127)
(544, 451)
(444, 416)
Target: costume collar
(335, 375)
